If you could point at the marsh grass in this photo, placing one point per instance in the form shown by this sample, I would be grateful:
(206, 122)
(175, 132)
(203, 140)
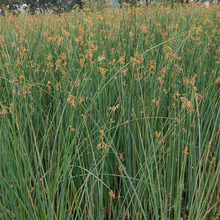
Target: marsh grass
(110, 114)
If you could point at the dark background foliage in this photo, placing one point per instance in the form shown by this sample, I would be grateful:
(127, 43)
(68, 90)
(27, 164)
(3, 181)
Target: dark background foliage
(42, 4)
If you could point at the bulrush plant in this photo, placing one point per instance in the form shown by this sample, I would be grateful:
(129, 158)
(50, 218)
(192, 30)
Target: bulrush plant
(111, 114)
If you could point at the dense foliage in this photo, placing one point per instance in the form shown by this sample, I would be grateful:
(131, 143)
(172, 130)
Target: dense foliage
(65, 5)
(111, 114)
(43, 4)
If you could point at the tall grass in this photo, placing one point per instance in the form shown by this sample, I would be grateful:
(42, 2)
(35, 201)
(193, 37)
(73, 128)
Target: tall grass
(110, 114)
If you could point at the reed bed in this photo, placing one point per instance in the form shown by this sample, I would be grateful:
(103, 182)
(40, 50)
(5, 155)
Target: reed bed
(111, 114)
